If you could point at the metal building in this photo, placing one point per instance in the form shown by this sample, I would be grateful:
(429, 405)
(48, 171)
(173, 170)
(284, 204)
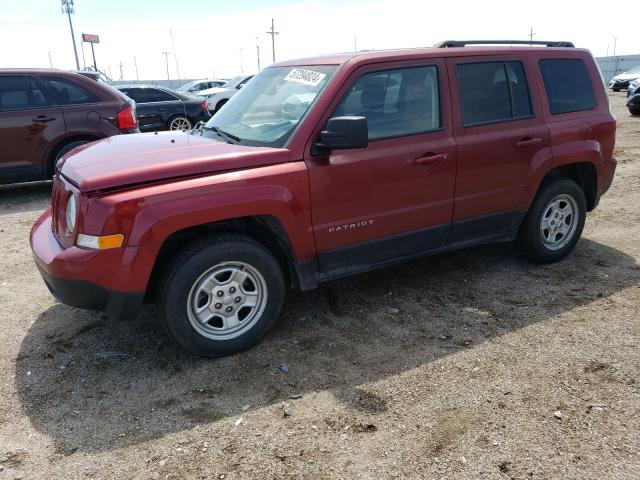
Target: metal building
(612, 66)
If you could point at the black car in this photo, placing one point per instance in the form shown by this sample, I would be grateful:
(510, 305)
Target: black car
(160, 108)
(633, 97)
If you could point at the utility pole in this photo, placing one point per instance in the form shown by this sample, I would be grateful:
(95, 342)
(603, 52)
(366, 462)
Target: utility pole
(67, 7)
(50, 62)
(166, 58)
(241, 62)
(273, 34)
(531, 34)
(258, 53)
(121, 77)
(175, 55)
(355, 43)
(135, 62)
(84, 62)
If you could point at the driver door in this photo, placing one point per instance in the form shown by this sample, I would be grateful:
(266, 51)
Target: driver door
(394, 198)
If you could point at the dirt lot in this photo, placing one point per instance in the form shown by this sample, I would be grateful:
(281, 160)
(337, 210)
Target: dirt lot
(465, 380)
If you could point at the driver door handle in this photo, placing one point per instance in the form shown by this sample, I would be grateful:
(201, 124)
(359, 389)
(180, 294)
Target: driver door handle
(431, 158)
(43, 119)
(528, 142)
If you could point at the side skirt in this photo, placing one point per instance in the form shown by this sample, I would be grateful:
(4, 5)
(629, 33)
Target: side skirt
(384, 252)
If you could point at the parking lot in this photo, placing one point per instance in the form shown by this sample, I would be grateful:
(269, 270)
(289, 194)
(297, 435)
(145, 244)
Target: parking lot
(468, 365)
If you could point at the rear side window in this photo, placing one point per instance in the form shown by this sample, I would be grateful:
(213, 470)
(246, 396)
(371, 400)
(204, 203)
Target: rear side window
(149, 95)
(493, 92)
(568, 85)
(18, 92)
(13, 93)
(395, 102)
(67, 92)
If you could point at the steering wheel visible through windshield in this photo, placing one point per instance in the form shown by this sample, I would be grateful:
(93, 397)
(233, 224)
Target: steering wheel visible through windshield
(268, 108)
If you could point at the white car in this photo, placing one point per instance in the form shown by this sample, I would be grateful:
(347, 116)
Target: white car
(622, 80)
(217, 97)
(197, 86)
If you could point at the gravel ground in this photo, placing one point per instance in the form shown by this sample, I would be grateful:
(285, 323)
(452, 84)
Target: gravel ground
(468, 365)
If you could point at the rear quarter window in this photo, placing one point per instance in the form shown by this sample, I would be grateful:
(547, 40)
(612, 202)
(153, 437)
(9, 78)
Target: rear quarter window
(568, 85)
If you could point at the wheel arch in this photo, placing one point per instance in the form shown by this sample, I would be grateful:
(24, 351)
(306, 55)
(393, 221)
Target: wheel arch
(265, 229)
(63, 142)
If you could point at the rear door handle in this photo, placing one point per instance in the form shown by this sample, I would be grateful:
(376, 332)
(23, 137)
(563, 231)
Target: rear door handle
(43, 119)
(431, 158)
(528, 142)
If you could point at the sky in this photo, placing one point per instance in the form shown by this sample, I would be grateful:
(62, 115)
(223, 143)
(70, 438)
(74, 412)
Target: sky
(219, 38)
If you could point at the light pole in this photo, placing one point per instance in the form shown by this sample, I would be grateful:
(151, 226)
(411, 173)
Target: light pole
(67, 7)
(166, 58)
(258, 53)
(273, 34)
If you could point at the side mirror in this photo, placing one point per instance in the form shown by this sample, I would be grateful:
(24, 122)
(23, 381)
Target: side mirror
(342, 133)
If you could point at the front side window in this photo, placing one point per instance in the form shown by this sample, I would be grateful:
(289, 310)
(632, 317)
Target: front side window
(493, 92)
(66, 92)
(266, 111)
(396, 102)
(568, 86)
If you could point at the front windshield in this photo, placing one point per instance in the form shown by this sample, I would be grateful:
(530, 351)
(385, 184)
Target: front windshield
(233, 82)
(268, 108)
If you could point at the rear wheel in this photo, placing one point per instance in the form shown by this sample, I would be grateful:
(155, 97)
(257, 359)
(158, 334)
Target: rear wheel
(179, 122)
(64, 150)
(220, 104)
(222, 295)
(554, 222)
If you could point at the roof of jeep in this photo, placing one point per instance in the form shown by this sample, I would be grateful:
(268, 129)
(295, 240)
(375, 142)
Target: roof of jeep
(367, 56)
(37, 71)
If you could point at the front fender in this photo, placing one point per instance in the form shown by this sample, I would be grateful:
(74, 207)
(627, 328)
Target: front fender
(148, 215)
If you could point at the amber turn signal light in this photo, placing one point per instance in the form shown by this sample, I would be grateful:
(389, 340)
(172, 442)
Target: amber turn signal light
(104, 242)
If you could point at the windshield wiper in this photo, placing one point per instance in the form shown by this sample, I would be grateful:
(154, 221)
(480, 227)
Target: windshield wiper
(227, 137)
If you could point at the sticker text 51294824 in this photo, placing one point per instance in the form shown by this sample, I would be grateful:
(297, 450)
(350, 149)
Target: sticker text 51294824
(308, 77)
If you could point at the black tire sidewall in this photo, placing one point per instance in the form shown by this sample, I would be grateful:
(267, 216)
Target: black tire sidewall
(190, 266)
(530, 236)
(221, 104)
(66, 149)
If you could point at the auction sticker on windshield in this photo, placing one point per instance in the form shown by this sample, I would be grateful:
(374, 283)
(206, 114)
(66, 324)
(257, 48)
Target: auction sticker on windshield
(308, 77)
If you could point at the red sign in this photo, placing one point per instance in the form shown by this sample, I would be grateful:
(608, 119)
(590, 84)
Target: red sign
(90, 38)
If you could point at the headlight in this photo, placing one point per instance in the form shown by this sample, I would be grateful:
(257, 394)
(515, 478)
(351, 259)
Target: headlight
(71, 214)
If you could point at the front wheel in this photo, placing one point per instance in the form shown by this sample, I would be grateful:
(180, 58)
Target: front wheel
(221, 295)
(634, 110)
(554, 222)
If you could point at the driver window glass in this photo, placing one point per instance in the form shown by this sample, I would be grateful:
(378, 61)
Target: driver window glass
(395, 102)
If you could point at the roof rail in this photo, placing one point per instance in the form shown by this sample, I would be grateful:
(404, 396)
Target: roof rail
(463, 43)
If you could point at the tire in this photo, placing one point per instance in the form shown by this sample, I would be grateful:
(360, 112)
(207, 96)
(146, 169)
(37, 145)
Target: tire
(615, 89)
(556, 197)
(193, 281)
(64, 150)
(179, 122)
(220, 104)
(634, 110)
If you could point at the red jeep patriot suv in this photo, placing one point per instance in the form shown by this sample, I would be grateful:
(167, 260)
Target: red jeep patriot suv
(327, 167)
